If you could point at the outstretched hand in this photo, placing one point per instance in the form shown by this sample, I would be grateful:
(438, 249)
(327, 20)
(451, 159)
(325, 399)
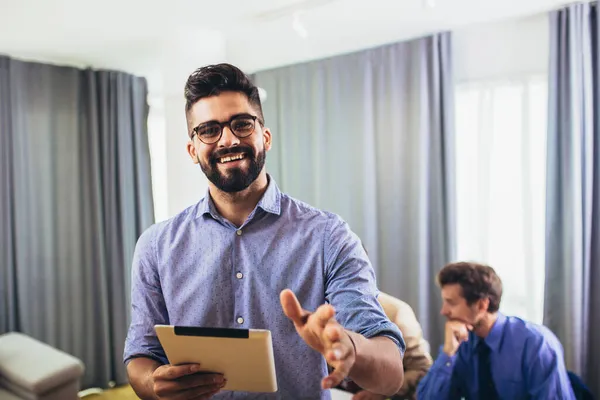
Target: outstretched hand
(324, 334)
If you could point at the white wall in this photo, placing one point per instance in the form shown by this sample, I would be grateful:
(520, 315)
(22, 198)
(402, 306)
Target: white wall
(178, 182)
(513, 47)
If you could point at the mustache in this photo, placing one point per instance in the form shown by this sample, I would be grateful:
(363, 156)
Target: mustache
(231, 150)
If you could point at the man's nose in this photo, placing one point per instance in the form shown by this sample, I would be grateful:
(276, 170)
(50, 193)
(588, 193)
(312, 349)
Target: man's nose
(228, 139)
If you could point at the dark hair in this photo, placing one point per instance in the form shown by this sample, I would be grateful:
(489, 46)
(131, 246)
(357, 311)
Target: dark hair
(477, 281)
(212, 80)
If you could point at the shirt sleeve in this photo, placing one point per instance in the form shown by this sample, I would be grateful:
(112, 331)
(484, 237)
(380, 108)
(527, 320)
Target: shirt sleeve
(443, 381)
(546, 372)
(350, 285)
(147, 303)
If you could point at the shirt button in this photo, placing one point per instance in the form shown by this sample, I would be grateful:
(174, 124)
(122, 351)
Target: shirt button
(240, 320)
(447, 364)
(239, 232)
(239, 275)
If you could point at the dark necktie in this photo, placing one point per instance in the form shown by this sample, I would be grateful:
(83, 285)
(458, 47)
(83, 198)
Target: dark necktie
(487, 390)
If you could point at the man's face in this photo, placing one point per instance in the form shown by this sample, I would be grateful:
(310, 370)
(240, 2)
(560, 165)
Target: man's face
(232, 163)
(455, 307)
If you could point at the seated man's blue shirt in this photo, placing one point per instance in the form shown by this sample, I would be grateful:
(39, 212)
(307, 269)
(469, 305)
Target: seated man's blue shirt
(198, 269)
(526, 362)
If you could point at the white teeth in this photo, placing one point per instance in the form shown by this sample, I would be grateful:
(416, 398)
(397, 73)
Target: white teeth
(223, 160)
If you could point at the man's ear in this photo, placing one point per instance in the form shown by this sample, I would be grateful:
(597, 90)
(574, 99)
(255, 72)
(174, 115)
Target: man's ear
(484, 304)
(191, 149)
(267, 138)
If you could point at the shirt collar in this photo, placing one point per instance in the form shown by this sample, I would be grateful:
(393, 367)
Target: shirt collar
(494, 338)
(270, 202)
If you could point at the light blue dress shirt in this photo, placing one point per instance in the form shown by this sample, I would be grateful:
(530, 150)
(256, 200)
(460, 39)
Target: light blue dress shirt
(527, 362)
(198, 269)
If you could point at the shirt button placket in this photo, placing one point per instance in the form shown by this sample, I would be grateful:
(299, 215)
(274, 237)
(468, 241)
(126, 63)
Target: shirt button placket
(239, 275)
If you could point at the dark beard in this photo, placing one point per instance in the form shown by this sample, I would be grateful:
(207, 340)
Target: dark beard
(236, 180)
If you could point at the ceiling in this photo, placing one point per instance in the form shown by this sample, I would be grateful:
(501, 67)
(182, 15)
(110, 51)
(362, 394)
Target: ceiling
(148, 36)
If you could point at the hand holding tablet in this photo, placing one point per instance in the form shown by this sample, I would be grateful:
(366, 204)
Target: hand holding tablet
(244, 357)
(178, 380)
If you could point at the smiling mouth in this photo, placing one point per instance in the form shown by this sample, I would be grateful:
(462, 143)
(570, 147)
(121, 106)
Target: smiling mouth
(231, 158)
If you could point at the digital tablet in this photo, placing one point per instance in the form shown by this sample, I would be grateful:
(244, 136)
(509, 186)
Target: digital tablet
(243, 356)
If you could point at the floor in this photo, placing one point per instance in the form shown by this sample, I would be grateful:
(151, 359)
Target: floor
(119, 393)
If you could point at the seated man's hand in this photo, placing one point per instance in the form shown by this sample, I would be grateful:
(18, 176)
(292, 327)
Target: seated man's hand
(366, 395)
(456, 332)
(321, 332)
(182, 382)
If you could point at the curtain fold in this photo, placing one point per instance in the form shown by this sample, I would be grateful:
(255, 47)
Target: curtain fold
(572, 305)
(370, 136)
(76, 193)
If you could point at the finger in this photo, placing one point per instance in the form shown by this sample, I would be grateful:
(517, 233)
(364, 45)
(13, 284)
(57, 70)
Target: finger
(171, 372)
(201, 379)
(463, 336)
(336, 376)
(323, 315)
(333, 332)
(338, 352)
(292, 308)
(188, 387)
(205, 396)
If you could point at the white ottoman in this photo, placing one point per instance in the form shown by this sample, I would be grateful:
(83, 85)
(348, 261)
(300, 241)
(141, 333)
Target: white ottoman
(33, 370)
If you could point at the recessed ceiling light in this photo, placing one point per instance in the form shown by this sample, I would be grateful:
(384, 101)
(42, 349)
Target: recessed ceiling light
(299, 27)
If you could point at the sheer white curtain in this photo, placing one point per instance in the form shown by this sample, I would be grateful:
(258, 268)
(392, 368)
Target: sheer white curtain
(501, 161)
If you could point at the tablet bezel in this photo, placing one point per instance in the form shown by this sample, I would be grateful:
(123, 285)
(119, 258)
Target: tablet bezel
(244, 356)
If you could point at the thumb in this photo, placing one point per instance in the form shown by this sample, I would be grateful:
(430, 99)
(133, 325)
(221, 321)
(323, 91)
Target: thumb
(291, 307)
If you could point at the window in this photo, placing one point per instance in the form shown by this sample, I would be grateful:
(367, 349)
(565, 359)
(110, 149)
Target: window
(501, 173)
(158, 158)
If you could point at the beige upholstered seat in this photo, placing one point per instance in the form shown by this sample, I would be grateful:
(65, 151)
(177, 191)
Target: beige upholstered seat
(32, 370)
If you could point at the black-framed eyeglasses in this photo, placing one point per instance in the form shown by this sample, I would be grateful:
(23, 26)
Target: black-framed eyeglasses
(242, 125)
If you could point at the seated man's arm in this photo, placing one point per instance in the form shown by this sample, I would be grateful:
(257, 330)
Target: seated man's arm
(546, 372)
(444, 379)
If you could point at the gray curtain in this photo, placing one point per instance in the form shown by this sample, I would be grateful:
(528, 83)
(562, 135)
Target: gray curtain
(572, 301)
(76, 193)
(369, 136)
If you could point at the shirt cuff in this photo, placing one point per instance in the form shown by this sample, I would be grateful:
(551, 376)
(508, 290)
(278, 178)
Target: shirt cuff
(145, 354)
(444, 363)
(390, 330)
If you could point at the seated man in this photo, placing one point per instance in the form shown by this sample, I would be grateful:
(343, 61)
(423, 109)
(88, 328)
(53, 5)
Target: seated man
(487, 355)
(417, 359)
